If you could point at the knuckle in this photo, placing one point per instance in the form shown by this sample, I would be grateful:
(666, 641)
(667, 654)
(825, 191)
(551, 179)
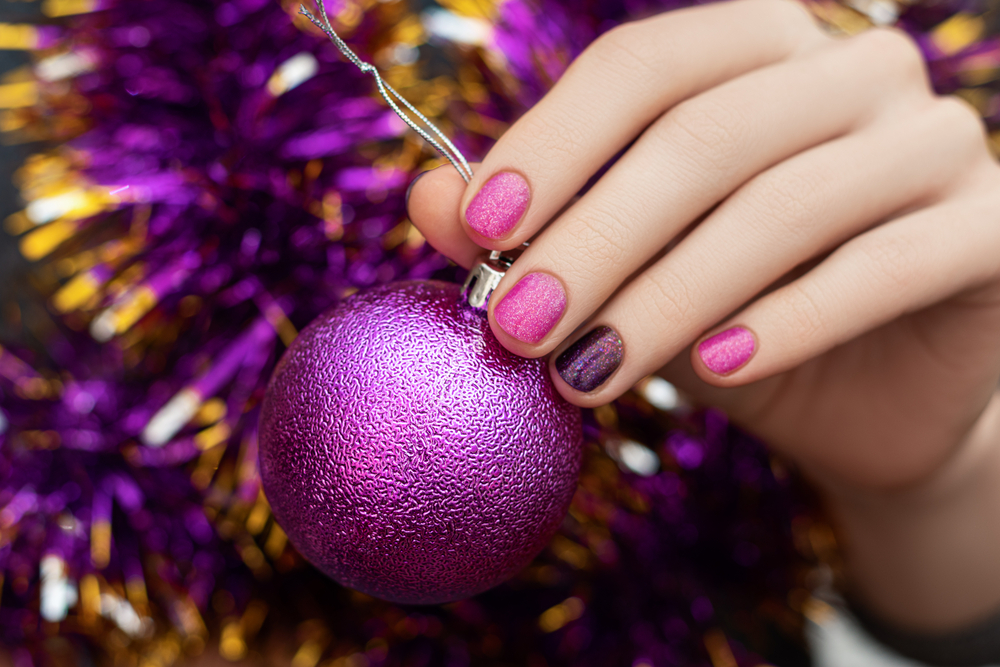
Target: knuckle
(603, 233)
(715, 134)
(539, 139)
(890, 262)
(621, 50)
(895, 51)
(959, 117)
(669, 299)
(787, 200)
(802, 312)
(600, 240)
(789, 14)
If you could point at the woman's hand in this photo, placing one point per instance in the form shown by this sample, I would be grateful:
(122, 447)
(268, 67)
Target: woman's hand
(801, 233)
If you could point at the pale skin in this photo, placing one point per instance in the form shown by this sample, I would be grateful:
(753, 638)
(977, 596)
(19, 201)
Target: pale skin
(816, 192)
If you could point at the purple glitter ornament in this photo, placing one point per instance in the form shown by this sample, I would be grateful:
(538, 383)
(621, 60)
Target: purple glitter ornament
(407, 454)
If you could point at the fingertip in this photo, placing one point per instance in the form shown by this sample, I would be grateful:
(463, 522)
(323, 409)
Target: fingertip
(433, 201)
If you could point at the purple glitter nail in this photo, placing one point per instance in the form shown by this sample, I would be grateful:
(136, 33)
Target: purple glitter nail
(591, 360)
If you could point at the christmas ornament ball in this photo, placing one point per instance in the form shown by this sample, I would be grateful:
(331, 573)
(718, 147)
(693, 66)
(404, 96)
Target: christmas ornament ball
(407, 454)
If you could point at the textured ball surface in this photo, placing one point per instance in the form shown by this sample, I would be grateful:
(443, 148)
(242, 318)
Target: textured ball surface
(410, 456)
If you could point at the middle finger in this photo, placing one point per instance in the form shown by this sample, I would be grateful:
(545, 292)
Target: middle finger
(685, 163)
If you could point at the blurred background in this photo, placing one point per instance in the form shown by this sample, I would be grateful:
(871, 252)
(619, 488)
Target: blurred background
(193, 182)
(12, 265)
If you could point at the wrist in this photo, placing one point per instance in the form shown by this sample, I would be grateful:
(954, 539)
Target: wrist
(925, 556)
(971, 461)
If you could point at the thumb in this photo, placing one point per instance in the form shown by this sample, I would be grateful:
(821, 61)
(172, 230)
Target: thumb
(432, 203)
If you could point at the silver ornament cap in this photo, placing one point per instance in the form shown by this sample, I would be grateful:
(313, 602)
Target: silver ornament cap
(486, 274)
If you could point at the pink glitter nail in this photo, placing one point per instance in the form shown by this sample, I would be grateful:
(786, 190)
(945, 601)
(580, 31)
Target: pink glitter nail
(726, 351)
(532, 307)
(499, 205)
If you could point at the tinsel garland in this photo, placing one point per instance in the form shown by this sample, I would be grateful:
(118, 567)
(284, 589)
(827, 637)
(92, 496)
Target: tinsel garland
(217, 177)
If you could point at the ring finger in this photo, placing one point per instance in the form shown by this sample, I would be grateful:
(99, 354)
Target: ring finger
(786, 216)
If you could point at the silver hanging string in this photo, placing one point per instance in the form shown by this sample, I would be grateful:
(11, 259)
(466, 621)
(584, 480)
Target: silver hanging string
(441, 143)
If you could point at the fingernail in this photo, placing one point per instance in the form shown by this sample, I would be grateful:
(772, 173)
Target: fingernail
(412, 183)
(726, 351)
(498, 205)
(531, 308)
(588, 362)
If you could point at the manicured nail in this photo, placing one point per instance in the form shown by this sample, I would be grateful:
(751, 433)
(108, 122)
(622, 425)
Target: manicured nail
(531, 308)
(588, 362)
(726, 351)
(499, 205)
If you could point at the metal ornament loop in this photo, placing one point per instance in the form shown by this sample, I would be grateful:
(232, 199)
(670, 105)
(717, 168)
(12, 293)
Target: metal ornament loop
(490, 269)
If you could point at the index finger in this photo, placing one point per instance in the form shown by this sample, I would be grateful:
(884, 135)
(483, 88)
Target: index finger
(619, 85)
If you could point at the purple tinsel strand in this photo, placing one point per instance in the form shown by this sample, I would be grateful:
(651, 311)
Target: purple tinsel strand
(184, 121)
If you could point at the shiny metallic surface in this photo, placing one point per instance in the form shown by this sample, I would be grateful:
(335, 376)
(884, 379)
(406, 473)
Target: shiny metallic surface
(485, 275)
(483, 278)
(410, 456)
